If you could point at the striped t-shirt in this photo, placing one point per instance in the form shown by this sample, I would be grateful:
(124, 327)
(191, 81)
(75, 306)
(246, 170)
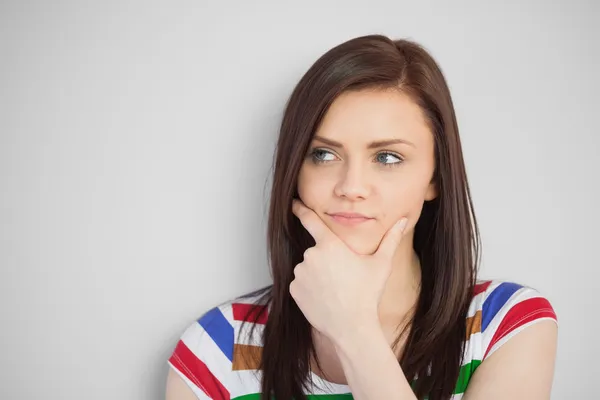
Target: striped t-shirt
(215, 358)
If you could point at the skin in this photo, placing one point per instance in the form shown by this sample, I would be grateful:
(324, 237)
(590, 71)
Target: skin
(357, 284)
(354, 177)
(385, 182)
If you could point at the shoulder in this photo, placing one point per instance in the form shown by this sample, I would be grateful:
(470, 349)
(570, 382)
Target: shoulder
(503, 308)
(204, 354)
(511, 342)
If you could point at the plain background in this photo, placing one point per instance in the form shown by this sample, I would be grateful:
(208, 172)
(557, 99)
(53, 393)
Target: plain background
(136, 143)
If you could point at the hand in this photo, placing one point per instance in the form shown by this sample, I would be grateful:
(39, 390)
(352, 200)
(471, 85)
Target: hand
(334, 287)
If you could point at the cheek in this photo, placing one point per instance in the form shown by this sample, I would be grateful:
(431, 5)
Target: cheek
(303, 183)
(404, 199)
(312, 188)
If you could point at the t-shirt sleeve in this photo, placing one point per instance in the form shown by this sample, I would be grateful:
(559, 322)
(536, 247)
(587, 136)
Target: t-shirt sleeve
(508, 309)
(203, 355)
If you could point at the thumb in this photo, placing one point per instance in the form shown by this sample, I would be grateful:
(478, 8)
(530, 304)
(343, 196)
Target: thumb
(391, 239)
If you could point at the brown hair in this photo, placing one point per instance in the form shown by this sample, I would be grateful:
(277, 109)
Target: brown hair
(446, 236)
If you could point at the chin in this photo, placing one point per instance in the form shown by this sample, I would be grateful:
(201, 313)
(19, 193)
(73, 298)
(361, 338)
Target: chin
(359, 245)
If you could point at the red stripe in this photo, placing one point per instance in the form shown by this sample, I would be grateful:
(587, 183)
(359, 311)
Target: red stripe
(481, 287)
(196, 371)
(241, 310)
(521, 314)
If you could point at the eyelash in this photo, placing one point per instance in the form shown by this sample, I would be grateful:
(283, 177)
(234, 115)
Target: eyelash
(313, 158)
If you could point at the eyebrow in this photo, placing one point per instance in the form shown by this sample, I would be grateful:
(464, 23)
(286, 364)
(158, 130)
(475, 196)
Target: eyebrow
(373, 145)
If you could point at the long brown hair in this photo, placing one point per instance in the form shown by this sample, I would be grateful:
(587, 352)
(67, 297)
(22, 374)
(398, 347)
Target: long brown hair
(446, 236)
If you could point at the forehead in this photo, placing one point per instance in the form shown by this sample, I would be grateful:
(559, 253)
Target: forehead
(369, 115)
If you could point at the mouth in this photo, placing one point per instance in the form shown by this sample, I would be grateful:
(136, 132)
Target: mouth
(350, 219)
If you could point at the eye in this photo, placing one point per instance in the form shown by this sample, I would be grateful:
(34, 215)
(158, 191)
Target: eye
(320, 156)
(388, 159)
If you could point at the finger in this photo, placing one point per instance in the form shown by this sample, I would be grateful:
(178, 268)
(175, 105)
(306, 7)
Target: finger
(391, 239)
(312, 222)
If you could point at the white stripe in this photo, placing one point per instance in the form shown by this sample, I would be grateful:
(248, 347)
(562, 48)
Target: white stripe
(479, 298)
(203, 347)
(249, 381)
(514, 332)
(472, 349)
(520, 295)
(227, 311)
(321, 386)
(200, 394)
(242, 336)
(245, 382)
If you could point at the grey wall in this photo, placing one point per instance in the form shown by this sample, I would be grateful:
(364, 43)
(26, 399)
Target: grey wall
(136, 142)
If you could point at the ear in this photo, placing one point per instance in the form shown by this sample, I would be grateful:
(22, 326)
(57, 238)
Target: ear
(432, 191)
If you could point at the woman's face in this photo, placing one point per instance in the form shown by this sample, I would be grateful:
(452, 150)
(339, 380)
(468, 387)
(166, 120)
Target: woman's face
(372, 155)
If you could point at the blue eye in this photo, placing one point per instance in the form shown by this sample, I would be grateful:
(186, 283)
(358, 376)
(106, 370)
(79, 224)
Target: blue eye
(318, 156)
(322, 156)
(388, 159)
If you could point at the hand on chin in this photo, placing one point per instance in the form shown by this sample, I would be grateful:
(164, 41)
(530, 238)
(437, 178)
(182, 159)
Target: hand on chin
(359, 243)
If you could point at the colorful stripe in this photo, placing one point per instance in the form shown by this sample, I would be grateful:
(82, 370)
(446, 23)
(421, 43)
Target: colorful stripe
(197, 372)
(466, 372)
(250, 313)
(219, 329)
(216, 357)
(473, 324)
(346, 396)
(495, 301)
(481, 287)
(246, 357)
(519, 315)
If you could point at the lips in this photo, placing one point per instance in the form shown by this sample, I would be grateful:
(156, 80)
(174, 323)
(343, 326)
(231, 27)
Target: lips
(348, 215)
(347, 218)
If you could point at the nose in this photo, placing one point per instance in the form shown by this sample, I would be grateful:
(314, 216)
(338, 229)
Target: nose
(353, 182)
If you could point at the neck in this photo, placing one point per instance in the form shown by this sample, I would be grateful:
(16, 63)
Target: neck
(402, 288)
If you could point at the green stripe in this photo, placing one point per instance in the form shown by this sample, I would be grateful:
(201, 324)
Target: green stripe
(345, 396)
(466, 371)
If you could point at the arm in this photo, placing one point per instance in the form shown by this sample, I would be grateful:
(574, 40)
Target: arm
(522, 368)
(177, 389)
(370, 365)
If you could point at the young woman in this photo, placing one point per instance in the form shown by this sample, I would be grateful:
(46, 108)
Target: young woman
(373, 248)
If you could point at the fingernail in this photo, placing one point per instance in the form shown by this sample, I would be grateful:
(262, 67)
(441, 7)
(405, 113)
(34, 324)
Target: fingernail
(402, 224)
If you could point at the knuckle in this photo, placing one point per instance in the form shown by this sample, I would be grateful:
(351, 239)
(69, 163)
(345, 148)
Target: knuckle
(308, 253)
(298, 270)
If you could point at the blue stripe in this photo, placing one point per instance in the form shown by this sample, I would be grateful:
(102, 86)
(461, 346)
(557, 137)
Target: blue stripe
(219, 329)
(495, 301)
